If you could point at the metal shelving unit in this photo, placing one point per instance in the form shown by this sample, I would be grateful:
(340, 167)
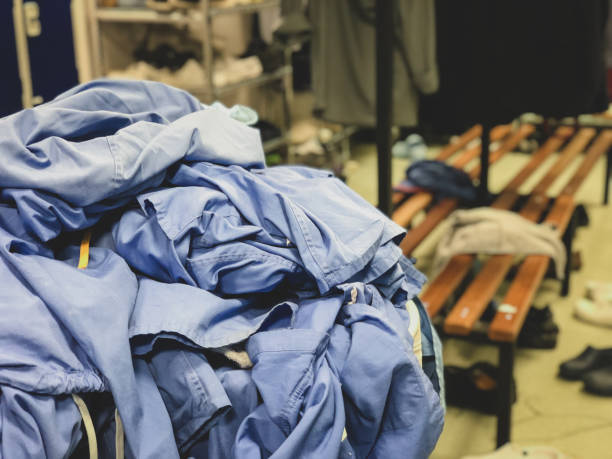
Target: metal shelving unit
(244, 8)
(199, 15)
(144, 15)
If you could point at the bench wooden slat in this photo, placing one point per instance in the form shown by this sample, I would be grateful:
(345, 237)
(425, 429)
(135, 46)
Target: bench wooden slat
(506, 200)
(469, 308)
(497, 134)
(438, 213)
(477, 296)
(599, 148)
(411, 207)
(406, 211)
(446, 206)
(583, 136)
(453, 273)
(465, 138)
(524, 131)
(506, 325)
(552, 144)
(447, 281)
(397, 197)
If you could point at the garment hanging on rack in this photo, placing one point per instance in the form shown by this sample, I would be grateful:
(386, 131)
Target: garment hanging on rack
(344, 55)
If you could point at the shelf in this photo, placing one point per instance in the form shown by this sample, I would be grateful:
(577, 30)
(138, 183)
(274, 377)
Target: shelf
(146, 15)
(176, 17)
(264, 78)
(274, 144)
(256, 81)
(245, 8)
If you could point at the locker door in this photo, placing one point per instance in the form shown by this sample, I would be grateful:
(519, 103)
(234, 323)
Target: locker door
(52, 59)
(45, 49)
(10, 85)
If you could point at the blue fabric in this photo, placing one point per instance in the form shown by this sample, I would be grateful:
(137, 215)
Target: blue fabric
(430, 356)
(243, 395)
(285, 218)
(52, 345)
(69, 161)
(175, 311)
(302, 406)
(192, 394)
(202, 259)
(392, 408)
(334, 349)
(37, 426)
(439, 178)
(439, 366)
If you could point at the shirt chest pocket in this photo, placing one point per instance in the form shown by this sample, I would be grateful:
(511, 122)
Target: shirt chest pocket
(239, 268)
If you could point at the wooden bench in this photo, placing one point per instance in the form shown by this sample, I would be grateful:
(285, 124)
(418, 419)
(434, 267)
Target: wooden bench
(465, 313)
(474, 301)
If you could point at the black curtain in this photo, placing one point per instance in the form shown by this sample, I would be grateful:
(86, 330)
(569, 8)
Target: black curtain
(499, 59)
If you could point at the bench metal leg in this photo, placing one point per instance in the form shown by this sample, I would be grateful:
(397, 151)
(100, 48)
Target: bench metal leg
(384, 101)
(483, 187)
(568, 239)
(608, 174)
(504, 415)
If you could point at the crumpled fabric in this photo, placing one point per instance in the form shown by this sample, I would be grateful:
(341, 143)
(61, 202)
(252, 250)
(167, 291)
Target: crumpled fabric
(494, 231)
(208, 279)
(438, 178)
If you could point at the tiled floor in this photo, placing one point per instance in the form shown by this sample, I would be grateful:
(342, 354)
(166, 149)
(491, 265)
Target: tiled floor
(548, 411)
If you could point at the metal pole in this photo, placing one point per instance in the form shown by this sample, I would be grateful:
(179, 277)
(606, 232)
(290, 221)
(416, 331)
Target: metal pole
(504, 414)
(483, 188)
(207, 52)
(568, 239)
(384, 102)
(608, 174)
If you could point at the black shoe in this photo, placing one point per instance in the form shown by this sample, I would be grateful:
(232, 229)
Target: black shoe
(537, 340)
(475, 387)
(599, 382)
(544, 318)
(539, 330)
(590, 359)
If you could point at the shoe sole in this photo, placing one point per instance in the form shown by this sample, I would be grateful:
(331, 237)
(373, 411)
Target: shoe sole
(537, 346)
(570, 376)
(594, 391)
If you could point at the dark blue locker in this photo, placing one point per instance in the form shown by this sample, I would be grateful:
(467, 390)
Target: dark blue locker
(10, 85)
(47, 30)
(52, 60)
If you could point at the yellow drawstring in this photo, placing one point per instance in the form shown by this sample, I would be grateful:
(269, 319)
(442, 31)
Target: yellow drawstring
(119, 447)
(84, 255)
(89, 427)
(87, 421)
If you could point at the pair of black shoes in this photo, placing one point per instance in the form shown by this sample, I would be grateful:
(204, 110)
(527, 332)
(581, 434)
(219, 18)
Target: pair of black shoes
(475, 387)
(539, 330)
(594, 367)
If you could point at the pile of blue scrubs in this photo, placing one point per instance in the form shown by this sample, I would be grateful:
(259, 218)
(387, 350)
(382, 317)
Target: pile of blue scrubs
(225, 309)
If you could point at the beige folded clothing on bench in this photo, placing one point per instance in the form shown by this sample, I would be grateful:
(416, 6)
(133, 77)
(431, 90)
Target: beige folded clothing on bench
(492, 231)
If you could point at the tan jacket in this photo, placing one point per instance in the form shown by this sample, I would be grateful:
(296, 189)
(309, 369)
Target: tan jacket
(492, 231)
